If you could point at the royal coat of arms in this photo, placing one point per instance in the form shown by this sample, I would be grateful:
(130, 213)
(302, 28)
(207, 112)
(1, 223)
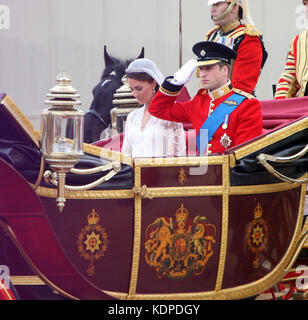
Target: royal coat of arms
(181, 247)
(92, 241)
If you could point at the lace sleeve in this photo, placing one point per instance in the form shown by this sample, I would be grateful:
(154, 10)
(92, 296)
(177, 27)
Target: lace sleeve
(176, 140)
(179, 141)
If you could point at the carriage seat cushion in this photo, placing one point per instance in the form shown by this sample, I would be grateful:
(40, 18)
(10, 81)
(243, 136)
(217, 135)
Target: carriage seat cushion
(278, 113)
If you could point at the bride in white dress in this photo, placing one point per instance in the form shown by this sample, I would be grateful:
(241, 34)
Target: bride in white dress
(146, 135)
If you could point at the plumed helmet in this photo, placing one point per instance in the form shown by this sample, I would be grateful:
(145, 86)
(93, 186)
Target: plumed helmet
(210, 2)
(243, 5)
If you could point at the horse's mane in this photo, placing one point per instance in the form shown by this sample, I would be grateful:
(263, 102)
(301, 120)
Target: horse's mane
(118, 67)
(114, 65)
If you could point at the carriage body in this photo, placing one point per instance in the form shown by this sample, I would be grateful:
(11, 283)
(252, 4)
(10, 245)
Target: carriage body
(214, 227)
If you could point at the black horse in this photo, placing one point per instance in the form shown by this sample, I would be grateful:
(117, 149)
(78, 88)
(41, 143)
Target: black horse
(98, 117)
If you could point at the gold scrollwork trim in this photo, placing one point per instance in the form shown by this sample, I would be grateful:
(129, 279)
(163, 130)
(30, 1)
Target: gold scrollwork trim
(87, 194)
(137, 238)
(225, 224)
(305, 228)
(142, 192)
(179, 161)
(167, 192)
(262, 188)
(136, 250)
(27, 281)
(23, 121)
(232, 160)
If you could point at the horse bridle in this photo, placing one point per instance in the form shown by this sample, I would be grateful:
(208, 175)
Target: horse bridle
(98, 116)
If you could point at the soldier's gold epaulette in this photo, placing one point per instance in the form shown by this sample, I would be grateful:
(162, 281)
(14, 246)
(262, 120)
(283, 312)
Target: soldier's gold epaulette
(211, 32)
(252, 31)
(245, 29)
(245, 94)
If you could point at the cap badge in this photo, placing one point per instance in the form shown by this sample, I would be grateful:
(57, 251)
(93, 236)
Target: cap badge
(231, 103)
(202, 53)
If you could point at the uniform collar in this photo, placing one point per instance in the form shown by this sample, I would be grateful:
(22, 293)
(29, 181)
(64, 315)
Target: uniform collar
(230, 26)
(222, 91)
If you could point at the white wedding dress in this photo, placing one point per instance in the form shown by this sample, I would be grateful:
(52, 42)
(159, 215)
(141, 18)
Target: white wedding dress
(160, 138)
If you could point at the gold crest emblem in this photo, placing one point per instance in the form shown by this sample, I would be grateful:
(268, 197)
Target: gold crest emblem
(257, 235)
(177, 249)
(182, 177)
(92, 241)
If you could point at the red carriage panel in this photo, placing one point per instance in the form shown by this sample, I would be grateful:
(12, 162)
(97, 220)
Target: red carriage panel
(95, 234)
(180, 245)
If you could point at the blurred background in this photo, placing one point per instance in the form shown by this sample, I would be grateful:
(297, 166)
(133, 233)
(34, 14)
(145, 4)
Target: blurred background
(41, 38)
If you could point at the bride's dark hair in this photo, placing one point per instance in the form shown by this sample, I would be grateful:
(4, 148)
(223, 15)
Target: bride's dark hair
(141, 76)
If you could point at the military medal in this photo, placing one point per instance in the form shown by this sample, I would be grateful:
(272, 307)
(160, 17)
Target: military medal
(225, 124)
(225, 141)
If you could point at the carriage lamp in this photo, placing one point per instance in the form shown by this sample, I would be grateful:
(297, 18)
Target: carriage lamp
(62, 132)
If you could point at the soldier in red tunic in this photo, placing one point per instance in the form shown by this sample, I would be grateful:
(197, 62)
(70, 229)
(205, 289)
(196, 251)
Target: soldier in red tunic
(222, 116)
(229, 17)
(294, 80)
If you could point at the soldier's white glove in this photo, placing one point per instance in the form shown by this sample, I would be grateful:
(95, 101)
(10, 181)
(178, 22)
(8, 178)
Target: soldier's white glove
(183, 75)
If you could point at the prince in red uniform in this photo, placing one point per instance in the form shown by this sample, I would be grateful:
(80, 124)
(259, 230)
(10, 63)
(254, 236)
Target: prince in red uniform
(222, 116)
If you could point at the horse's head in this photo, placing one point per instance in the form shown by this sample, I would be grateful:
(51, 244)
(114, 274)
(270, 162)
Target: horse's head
(98, 117)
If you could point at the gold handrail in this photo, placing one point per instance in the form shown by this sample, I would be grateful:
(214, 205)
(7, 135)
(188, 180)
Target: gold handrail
(264, 158)
(50, 177)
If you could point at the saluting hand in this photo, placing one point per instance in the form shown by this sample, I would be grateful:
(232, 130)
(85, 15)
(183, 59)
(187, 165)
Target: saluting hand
(183, 75)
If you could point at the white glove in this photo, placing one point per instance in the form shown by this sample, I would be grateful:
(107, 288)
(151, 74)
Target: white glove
(183, 75)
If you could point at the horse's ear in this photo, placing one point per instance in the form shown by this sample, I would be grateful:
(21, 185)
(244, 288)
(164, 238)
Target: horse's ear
(141, 55)
(108, 59)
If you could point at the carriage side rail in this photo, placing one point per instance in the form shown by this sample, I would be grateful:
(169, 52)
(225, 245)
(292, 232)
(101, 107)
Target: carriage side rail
(264, 158)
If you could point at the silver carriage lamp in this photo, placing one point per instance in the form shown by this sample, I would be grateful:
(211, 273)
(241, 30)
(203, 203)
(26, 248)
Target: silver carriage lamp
(61, 152)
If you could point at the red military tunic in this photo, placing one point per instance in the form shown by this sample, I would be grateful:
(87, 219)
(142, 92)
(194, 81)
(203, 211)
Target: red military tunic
(243, 124)
(251, 54)
(293, 81)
